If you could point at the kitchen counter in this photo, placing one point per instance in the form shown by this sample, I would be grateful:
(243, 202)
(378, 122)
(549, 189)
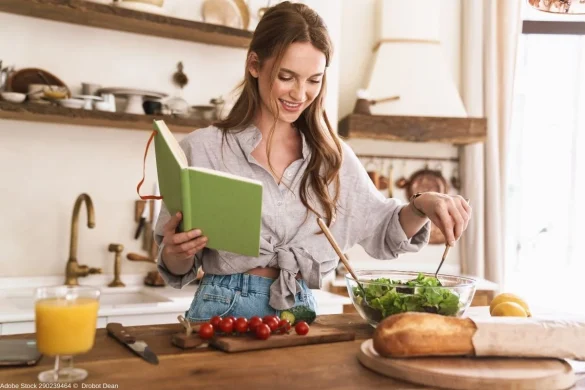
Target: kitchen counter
(320, 366)
(135, 304)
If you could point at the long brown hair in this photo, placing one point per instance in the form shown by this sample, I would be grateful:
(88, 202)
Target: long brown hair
(282, 25)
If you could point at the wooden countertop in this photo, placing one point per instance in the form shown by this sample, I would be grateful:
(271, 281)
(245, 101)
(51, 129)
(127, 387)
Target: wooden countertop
(320, 366)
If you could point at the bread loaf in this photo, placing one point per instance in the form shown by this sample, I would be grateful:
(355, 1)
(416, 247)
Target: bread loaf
(424, 334)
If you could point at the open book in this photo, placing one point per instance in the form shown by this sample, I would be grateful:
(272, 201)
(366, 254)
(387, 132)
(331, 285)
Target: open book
(227, 208)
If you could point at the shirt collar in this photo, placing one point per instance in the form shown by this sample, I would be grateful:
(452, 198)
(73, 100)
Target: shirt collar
(250, 137)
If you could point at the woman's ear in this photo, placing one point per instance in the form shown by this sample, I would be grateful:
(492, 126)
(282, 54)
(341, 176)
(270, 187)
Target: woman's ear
(253, 64)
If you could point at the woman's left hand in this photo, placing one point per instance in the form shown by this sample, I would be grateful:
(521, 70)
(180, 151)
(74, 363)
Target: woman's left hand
(450, 213)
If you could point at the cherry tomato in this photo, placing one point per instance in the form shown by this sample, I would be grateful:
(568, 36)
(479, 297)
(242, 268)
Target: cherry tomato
(241, 325)
(233, 318)
(302, 328)
(254, 322)
(215, 320)
(206, 331)
(263, 332)
(283, 326)
(273, 324)
(265, 319)
(226, 325)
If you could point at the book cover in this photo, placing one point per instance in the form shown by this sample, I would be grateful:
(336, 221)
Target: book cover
(227, 208)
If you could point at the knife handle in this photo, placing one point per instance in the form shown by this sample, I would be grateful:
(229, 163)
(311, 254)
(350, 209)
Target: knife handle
(117, 331)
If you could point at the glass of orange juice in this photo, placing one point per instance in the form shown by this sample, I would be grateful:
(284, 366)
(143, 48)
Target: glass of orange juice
(65, 321)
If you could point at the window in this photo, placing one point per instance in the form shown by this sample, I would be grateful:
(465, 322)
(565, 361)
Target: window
(546, 176)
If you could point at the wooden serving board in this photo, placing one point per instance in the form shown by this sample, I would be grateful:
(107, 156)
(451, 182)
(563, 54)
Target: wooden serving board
(472, 373)
(318, 334)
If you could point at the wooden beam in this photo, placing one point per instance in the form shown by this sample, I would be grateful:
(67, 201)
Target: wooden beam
(456, 131)
(552, 27)
(87, 13)
(46, 113)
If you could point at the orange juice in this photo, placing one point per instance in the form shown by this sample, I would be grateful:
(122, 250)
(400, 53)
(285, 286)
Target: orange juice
(65, 326)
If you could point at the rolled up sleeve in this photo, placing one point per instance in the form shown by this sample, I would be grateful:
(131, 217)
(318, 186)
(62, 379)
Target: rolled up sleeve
(386, 238)
(376, 218)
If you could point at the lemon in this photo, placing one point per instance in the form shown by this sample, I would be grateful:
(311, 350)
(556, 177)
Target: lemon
(509, 309)
(509, 297)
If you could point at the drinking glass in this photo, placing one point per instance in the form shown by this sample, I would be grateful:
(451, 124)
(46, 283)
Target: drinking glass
(65, 321)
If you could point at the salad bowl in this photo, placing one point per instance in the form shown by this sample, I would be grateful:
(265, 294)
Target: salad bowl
(391, 292)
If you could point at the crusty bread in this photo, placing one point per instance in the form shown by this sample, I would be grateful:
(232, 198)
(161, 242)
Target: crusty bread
(424, 334)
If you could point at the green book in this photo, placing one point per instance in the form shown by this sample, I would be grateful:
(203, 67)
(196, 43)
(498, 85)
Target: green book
(227, 208)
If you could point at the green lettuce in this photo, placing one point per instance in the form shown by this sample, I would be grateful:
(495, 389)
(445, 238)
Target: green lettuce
(423, 294)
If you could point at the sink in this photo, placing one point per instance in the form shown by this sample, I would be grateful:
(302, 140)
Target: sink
(110, 297)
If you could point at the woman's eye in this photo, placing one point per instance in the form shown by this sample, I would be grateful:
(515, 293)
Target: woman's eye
(315, 81)
(285, 78)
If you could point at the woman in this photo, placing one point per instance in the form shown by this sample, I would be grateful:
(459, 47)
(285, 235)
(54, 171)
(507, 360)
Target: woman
(278, 133)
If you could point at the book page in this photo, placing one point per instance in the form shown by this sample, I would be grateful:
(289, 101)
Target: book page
(225, 174)
(172, 143)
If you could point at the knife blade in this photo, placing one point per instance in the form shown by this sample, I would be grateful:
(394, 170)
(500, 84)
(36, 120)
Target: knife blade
(139, 347)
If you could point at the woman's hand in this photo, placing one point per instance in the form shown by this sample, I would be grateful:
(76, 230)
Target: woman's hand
(450, 213)
(180, 248)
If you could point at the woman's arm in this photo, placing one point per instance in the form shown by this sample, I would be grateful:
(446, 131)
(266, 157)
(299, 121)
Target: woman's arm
(411, 221)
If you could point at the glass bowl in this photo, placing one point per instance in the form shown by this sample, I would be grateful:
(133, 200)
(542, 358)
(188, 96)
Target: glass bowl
(387, 293)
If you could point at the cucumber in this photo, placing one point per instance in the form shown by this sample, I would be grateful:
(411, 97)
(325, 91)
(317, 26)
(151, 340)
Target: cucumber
(287, 315)
(298, 313)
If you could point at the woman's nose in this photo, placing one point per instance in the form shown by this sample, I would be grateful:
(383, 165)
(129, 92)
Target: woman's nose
(298, 93)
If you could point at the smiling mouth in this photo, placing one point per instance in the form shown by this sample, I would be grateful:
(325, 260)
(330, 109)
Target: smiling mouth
(290, 106)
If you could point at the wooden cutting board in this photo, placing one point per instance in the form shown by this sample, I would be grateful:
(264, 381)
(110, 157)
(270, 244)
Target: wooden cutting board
(318, 334)
(472, 373)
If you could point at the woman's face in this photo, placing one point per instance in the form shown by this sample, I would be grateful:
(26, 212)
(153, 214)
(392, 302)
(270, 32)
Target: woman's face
(298, 81)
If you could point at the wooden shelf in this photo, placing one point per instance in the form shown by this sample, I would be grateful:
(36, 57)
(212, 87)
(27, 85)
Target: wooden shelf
(457, 131)
(35, 112)
(91, 14)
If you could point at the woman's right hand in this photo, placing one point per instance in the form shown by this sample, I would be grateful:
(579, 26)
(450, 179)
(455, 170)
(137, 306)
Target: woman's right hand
(179, 247)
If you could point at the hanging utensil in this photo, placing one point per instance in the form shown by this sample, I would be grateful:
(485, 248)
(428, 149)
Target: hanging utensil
(391, 180)
(455, 182)
(362, 106)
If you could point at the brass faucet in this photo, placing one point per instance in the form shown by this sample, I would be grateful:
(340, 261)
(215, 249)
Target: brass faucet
(73, 270)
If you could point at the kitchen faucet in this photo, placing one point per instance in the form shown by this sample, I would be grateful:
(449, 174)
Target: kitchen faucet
(73, 270)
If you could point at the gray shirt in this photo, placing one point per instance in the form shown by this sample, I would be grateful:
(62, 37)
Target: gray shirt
(288, 237)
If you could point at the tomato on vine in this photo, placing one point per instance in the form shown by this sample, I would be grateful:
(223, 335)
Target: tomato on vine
(241, 325)
(215, 320)
(206, 331)
(226, 325)
(254, 322)
(263, 332)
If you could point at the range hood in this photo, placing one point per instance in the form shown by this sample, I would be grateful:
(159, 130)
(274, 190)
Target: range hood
(409, 61)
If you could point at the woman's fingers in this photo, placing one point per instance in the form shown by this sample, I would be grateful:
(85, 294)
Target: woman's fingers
(445, 222)
(182, 245)
(455, 212)
(172, 225)
(460, 205)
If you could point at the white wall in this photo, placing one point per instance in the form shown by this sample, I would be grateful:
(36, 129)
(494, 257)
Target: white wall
(358, 37)
(46, 166)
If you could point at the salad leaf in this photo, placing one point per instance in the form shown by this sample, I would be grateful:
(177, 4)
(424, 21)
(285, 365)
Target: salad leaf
(423, 294)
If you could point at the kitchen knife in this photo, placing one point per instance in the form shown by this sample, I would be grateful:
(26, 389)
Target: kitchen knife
(139, 347)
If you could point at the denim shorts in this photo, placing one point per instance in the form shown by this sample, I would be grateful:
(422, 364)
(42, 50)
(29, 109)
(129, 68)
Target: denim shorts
(240, 295)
